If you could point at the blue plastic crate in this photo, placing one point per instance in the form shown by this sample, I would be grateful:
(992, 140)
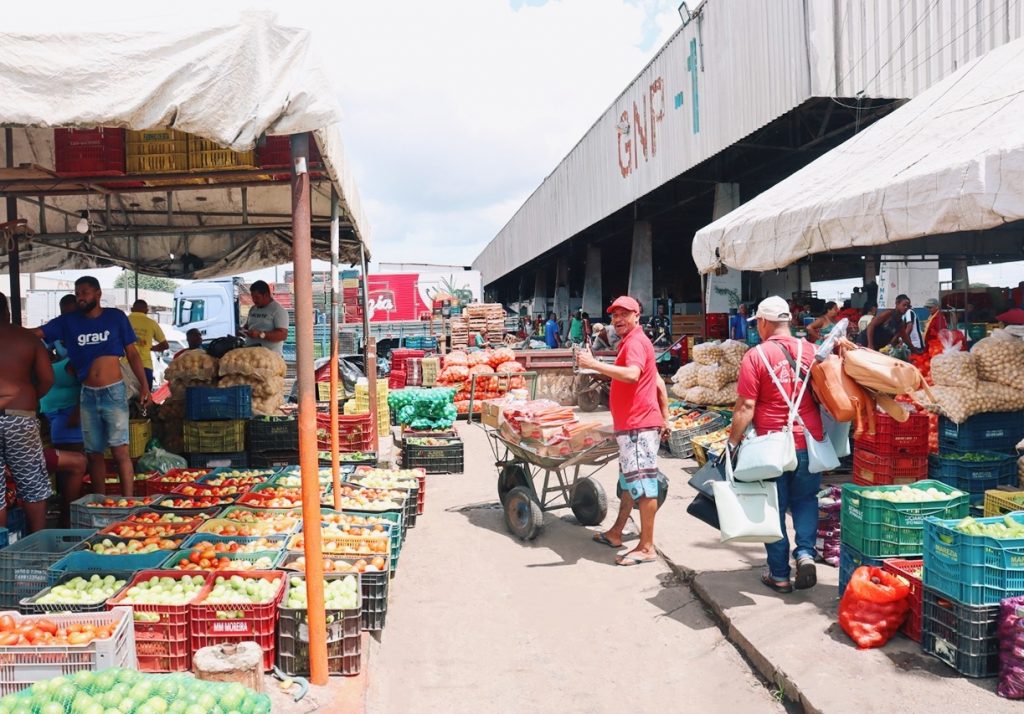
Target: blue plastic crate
(974, 570)
(25, 565)
(993, 431)
(212, 403)
(974, 477)
(849, 560)
(16, 525)
(4, 541)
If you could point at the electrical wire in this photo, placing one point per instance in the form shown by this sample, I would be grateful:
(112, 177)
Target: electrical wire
(953, 40)
(877, 38)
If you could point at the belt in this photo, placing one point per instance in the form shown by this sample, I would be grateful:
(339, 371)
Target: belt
(18, 413)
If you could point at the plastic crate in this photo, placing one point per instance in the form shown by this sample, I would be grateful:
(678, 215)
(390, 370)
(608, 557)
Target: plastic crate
(963, 636)
(999, 502)
(173, 529)
(224, 436)
(273, 434)
(214, 403)
(679, 440)
(374, 586)
(252, 498)
(421, 482)
(159, 485)
(975, 477)
(874, 470)
(85, 516)
(86, 561)
(206, 155)
(905, 569)
(275, 152)
(261, 471)
(975, 570)
(245, 621)
(162, 633)
(23, 666)
(154, 151)
(353, 432)
(4, 538)
(344, 641)
(849, 560)
(883, 529)
(30, 605)
(16, 525)
(238, 460)
(25, 564)
(891, 437)
(344, 545)
(242, 514)
(397, 531)
(273, 459)
(434, 459)
(994, 431)
(274, 556)
(274, 542)
(89, 152)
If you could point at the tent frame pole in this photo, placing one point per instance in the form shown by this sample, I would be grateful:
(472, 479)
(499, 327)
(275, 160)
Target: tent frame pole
(335, 289)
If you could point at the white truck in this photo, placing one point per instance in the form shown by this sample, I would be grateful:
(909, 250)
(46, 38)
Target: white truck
(214, 307)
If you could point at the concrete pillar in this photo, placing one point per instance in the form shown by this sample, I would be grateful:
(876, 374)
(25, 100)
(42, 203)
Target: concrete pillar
(593, 299)
(540, 294)
(561, 302)
(641, 267)
(960, 277)
(870, 269)
(727, 198)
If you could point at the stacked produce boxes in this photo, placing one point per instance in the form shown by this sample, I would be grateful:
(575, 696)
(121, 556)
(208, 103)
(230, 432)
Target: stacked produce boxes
(897, 453)
(214, 431)
(978, 455)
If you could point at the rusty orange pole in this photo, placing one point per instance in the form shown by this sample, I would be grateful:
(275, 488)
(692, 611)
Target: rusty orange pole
(335, 289)
(302, 258)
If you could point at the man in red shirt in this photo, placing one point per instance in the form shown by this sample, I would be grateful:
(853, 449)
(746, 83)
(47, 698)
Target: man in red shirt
(762, 403)
(639, 406)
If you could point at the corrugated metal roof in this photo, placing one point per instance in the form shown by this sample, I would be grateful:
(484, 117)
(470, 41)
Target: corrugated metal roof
(734, 68)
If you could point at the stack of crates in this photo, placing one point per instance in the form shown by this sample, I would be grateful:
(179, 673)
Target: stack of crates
(215, 426)
(978, 455)
(273, 439)
(897, 453)
(361, 403)
(966, 575)
(875, 530)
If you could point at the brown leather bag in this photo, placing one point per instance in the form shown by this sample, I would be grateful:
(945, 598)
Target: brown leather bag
(843, 398)
(881, 373)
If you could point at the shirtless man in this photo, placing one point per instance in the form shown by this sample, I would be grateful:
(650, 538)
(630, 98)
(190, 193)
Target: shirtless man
(96, 338)
(25, 376)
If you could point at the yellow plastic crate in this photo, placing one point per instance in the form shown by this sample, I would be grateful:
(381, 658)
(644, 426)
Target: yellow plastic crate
(140, 431)
(155, 151)
(205, 155)
(999, 502)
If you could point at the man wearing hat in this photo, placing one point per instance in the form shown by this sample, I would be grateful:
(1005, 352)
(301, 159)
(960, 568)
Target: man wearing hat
(936, 321)
(639, 406)
(762, 404)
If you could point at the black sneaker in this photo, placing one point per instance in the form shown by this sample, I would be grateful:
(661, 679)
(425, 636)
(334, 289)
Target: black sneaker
(806, 573)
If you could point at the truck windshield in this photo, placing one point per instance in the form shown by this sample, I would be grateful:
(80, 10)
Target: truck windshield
(190, 311)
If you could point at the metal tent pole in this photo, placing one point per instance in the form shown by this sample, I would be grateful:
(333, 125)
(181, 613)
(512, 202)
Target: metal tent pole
(335, 289)
(371, 351)
(13, 255)
(302, 258)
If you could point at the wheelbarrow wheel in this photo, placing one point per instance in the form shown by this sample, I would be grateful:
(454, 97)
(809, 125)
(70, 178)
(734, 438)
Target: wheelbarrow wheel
(511, 476)
(588, 502)
(523, 516)
(662, 490)
(589, 400)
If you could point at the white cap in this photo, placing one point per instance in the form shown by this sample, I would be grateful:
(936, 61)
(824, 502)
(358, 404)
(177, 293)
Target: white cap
(772, 309)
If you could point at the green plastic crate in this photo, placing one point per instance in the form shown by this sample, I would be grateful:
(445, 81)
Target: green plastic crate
(883, 529)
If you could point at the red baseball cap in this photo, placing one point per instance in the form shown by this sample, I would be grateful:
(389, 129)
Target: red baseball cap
(626, 303)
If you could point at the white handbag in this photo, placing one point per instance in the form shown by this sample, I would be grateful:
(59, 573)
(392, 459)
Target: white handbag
(747, 512)
(838, 433)
(821, 456)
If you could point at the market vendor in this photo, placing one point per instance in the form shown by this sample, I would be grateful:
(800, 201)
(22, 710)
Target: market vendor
(600, 340)
(659, 326)
(150, 337)
(824, 324)
(267, 322)
(936, 321)
(889, 327)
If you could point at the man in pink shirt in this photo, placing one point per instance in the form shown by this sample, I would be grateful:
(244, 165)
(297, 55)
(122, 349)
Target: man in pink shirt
(762, 404)
(639, 406)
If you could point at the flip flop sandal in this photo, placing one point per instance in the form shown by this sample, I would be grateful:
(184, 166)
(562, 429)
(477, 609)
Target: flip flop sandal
(806, 574)
(628, 560)
(776, 585)
(603, 540)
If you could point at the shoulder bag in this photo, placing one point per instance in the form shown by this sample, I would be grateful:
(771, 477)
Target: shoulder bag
(747, 512)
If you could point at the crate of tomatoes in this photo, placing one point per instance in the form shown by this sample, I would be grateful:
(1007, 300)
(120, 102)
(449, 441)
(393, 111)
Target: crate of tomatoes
(99, 511)
(160, 484)
(272, 496)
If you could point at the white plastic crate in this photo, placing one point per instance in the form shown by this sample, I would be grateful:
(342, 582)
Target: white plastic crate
(21, 667)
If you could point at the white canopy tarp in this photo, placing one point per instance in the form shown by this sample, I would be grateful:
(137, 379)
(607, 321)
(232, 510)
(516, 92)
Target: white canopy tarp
(231, 85)
(950, 160)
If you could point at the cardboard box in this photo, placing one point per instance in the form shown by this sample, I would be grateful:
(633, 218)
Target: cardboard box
(544, 431)
(491, 413)
(508, 433)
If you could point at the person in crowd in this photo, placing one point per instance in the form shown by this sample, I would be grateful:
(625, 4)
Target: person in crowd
(659, 326)
(866, 318)
(267, 322)
(762, 404)
(68, 468)
(639, 407)
(551, 332)
(96, 338)
(936, 321)
(586, 327)
(889, 327)
(600, 339)
(915, 335)
(859, 299)
(970, 314)
(26, 375)
(576, 328)
(60, 404)
(824, 324)
(194, 338)
(150, 337)
(738, 324)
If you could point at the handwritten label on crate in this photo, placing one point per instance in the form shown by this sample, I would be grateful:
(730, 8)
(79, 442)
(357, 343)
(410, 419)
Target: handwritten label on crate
(335, 632)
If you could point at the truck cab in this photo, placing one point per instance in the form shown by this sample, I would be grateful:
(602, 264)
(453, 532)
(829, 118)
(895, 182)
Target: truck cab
(212, 307)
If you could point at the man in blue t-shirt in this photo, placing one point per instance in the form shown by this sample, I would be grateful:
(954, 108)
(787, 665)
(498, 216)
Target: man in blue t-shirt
(95, 339)
(551, 331)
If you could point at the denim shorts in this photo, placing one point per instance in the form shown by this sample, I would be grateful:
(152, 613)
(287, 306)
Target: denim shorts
(60, 431)
(104, 417)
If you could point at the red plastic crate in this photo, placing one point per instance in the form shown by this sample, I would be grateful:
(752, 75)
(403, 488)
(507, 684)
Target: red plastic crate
(258, 621)
(872, 470)
(421, 494)
(275, 152)
(891, 437)
(904, 568)
(164, 645)
(353, 432)
(157, 486)
(89, 152)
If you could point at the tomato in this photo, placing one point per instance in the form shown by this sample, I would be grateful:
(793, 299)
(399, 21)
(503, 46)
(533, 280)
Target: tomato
(80, 638)
(8, 638)
(6, 623)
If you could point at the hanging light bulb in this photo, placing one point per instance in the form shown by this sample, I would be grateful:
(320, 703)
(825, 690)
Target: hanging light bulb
(83, 223)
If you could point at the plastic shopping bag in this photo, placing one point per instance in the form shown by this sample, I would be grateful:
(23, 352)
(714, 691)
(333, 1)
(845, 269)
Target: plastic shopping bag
(873, 606)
